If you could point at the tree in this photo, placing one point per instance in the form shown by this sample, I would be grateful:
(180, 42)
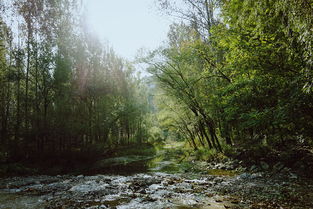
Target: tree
(245, 78)
(64, 93)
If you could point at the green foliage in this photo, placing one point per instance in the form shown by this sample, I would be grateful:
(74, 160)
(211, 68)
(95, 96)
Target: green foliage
(266, 92)
(243, 78)
(64, 94)
(247, 80)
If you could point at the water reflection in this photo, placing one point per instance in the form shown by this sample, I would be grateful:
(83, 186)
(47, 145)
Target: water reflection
(167, 161)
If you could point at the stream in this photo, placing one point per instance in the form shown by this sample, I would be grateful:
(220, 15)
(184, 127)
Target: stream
(157, 190)
(155, 182)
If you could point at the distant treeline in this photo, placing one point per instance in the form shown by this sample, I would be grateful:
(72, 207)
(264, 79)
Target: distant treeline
(62, 91)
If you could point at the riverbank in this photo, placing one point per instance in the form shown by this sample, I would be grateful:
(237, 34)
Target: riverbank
(111, 160)
(172, 178)
(157, 190)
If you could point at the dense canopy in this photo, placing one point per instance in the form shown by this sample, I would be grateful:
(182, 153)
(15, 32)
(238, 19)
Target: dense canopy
(233, 74)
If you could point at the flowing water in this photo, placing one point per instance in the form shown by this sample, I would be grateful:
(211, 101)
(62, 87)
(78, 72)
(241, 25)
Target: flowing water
(153, 190)
(159, 181)
(162, 181)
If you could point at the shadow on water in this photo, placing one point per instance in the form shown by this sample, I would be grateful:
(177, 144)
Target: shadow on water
(162, 160)
(147, 189)
(123, 168)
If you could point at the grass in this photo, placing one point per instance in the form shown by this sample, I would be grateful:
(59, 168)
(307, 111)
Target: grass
(221, 172)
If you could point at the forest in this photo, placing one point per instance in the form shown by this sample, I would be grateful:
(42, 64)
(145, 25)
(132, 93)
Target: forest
(63, 92)
(233, 80)
(238, 74)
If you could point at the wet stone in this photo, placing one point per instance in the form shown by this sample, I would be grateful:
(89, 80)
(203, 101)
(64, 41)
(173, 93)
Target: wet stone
(156, 190)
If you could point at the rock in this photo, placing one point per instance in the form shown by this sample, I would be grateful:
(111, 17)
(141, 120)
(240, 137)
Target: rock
(244, 176)
(155, 187)
(293, 176)
(285, 170)
(225, 167)
(88, 186)
(235, 201)
(142, 191)
(278, 166)
(264, 165)
(225, 160)
(253, 168)
(256, 175)
(150, 199)
(218, 180)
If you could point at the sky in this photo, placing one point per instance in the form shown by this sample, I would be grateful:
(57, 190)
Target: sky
(127, 25)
